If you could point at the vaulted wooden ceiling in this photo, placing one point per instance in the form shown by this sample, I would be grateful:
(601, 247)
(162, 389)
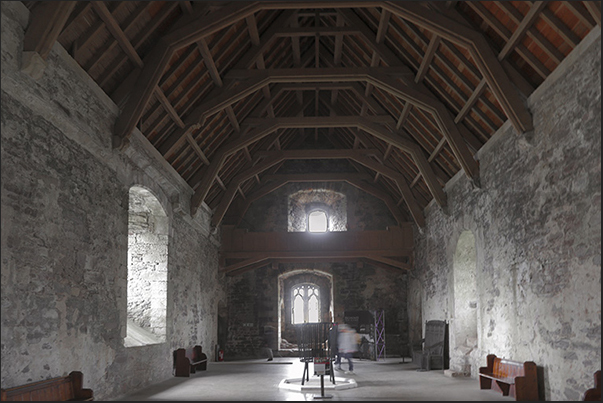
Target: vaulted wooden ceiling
(403, 92)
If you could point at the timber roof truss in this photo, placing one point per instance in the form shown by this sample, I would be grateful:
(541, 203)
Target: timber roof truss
(406, 92)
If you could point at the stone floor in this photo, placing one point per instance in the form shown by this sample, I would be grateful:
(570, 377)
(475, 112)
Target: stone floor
(259, 380)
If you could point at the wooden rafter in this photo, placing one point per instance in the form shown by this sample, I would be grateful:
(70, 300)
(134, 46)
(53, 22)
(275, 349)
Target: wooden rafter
(375, 76)
(427, 77)
(158, 58)
(270, 125)
(490, 67)
(594, 8)
(117, 32)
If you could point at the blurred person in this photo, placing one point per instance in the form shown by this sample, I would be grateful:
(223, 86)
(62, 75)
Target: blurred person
(334, 346)
(348, 345)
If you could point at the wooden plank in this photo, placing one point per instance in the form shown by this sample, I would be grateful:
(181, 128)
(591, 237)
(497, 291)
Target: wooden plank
(108, 46)
(322, 75)
(201, 26)
(82, 42)
(247, 60)
(126, 87)
(316, 177)
(311, 252)
(471, 101)
(300, 154)
(533, 33)
(77, 14)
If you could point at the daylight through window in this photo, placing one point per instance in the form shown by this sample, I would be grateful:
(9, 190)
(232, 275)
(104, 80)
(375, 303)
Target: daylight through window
(317, 221)
(305, 303)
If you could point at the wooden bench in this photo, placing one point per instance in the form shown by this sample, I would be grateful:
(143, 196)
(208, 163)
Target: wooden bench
(56, 389)
(594, 394)
(512, 378)
(188, 360)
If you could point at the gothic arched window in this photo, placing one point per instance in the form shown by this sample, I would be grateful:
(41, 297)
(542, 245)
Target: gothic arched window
(305, 303)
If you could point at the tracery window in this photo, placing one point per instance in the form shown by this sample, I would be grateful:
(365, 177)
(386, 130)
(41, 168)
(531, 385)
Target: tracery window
(305, 303)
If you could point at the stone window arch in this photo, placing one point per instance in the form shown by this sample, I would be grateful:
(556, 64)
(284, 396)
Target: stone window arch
(329, 204)
(148, 231)
(286, 284)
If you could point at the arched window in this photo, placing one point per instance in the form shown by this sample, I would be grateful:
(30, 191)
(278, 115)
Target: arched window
(305, 303)
(318, 221)
(147, 269)
(317, 211)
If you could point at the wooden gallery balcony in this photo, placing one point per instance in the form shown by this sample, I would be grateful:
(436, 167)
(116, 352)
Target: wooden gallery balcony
(242, 251)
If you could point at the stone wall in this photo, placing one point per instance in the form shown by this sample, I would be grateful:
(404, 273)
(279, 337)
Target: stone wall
(255, 301)
(536, 220)
(65, 233)
(364, 211)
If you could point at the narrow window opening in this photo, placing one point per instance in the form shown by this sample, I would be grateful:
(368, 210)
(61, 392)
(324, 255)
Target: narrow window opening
(318, 221)
(147, 270)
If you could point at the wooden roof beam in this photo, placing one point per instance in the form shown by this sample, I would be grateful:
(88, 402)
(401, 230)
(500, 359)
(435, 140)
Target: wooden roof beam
(121, 94)
(522, 28)
(594, 8)
(159, 57)
(506, 34)
(420, 96)
(488, 64)
(332, 121)
(46, 22)
(115, 30)
(255, 40)
(246, 61)
(360, 156)
(255, 80)
(402, 141)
